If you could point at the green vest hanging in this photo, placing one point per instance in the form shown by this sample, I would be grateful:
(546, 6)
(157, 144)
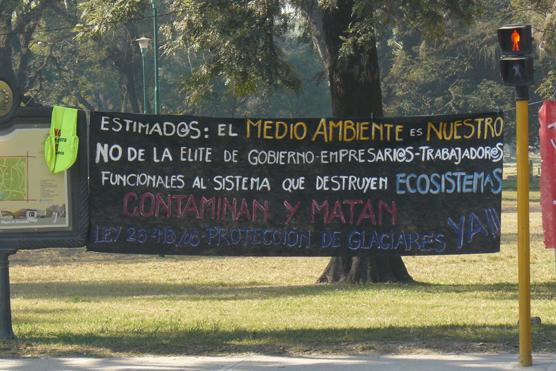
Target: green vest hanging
(61, 145)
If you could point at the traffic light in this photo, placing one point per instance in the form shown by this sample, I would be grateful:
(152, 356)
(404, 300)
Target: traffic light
(515, 40)
(516, 66)
(517, 71)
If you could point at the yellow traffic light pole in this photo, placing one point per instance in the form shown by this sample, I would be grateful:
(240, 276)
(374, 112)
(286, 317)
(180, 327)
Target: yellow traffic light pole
(523, 254)
(516, 67)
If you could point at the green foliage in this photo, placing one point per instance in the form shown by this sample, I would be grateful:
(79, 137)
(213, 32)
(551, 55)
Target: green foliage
(547, 88)
(100, 17)
(238, 43)
(312, 99)
(458, 71)
(257, 57)
(541, 14)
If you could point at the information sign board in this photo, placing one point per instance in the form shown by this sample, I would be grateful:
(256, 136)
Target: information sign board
(37, 208)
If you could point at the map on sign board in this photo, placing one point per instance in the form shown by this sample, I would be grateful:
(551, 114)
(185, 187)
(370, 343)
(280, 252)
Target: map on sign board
(13, 178)
(298, 186)
(30, 195)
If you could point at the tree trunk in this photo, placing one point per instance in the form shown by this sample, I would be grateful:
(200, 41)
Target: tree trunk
(355, 90)
(125, 55)
(16, 34)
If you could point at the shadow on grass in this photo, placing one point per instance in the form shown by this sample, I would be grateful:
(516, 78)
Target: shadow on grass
(330, 340)
(65, 256)
(510, 184)
(91, 291)
(512, 237)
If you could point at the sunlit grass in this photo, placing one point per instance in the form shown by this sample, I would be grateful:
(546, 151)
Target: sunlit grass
(68, 302)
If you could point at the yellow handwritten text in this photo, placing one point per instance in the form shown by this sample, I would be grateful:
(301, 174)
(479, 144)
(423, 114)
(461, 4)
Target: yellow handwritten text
(349, 131)
(276, 130)
(478, 128)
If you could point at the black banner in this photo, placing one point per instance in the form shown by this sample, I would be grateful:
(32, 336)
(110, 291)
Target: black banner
(321, 186)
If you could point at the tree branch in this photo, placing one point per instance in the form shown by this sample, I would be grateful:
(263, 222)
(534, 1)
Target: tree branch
(313, 13)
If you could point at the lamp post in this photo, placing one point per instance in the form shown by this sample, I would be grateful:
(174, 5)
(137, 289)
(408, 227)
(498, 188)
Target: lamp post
(144, 45)
(154, 5)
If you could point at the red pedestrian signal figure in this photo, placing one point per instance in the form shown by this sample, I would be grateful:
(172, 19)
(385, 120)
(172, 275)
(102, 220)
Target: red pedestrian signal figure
(515, 41)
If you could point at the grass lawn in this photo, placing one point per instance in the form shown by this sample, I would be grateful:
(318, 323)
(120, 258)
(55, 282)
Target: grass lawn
(70, 302)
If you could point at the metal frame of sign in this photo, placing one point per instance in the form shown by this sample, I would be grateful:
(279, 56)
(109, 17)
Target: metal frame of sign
(9, 98)
(73, 232)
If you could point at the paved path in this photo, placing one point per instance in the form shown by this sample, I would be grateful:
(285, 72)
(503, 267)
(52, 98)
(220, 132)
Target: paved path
(440, 362)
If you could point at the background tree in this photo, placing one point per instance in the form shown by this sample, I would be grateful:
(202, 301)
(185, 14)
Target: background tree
(457, 72)
(239, 43)
(542, 15)
(18, 22)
